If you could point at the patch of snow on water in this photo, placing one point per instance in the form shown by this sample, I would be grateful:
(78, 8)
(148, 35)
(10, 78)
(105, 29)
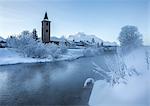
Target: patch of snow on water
(88, 81)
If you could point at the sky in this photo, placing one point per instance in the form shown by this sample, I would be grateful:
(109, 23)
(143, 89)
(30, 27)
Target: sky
(103, 18)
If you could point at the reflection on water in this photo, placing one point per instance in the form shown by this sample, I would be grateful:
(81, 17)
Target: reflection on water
(57, 83)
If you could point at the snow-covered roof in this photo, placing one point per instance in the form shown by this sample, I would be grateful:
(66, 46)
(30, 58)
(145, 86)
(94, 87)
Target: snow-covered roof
(110, 44)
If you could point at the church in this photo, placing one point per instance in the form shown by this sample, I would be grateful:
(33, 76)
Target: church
(46, 38)
(46, 32)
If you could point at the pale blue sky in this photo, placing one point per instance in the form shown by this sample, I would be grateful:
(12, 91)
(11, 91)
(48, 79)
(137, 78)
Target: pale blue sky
(103, 18)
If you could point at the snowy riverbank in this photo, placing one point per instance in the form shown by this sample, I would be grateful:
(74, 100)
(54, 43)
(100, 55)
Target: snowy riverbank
(134, 93)
(11, 56)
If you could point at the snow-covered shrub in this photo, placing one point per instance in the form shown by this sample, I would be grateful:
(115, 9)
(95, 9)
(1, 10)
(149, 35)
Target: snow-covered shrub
(30, 47)
(53, 50)
(24, 39)
(116, 70)
(130, 37)
(12, 42)
(58, 53)
(63, 48)
(36, 50)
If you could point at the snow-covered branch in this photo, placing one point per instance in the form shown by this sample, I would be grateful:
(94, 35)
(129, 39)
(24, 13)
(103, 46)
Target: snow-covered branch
(115, 70)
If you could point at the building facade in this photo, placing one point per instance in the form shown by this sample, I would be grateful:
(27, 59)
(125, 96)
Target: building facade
(46, 32)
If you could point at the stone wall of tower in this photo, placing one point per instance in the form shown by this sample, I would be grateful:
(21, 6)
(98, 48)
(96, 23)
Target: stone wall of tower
(45, 31)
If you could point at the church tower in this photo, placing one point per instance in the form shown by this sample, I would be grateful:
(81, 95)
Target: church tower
(46, 29)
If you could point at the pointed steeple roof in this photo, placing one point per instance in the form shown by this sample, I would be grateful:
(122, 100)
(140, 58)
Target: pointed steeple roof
(45, 17)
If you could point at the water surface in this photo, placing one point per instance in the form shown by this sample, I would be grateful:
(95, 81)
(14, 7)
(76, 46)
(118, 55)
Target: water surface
(55, 83)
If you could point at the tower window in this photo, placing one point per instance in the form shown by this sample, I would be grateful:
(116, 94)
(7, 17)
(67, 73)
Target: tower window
(46, 30)
(47, 23)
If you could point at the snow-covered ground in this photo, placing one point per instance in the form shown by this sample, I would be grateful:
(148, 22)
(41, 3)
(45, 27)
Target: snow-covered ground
(11, 56)
(135, 93)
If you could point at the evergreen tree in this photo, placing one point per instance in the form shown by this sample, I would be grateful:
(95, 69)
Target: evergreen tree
(34, 34)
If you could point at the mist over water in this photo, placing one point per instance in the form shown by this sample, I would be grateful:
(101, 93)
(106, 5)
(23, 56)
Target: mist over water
(55, 83)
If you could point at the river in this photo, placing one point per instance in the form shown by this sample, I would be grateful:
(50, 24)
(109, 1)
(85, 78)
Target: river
(53, 83)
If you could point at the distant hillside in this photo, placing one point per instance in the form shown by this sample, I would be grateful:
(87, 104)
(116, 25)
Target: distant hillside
(84, 37)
